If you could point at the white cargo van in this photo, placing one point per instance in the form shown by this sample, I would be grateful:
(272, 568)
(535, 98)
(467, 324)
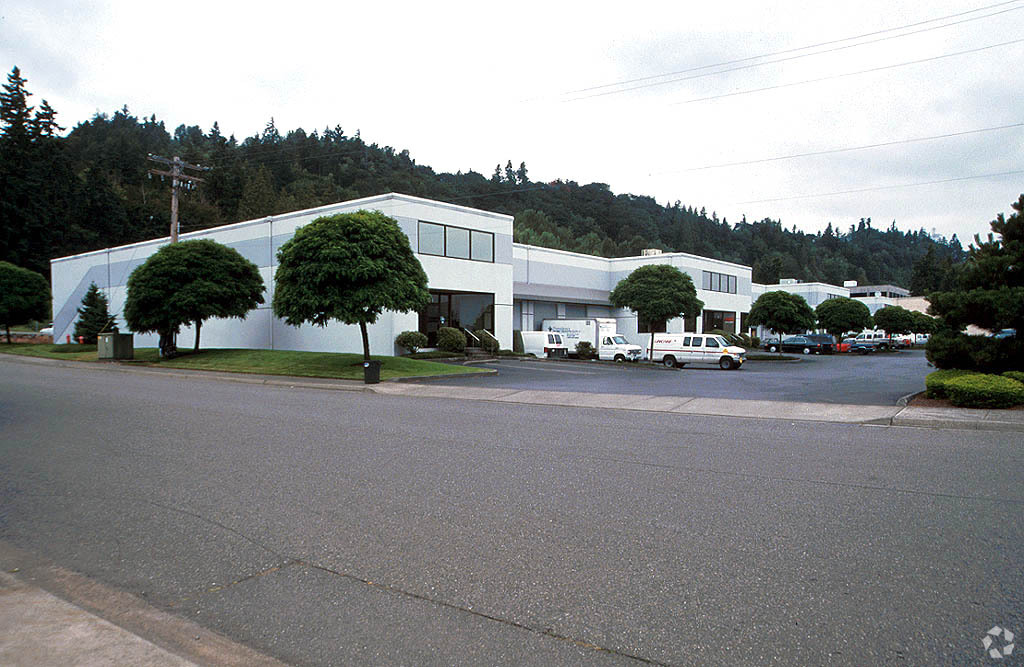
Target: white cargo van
(680, 349)
(598, 331)
(545, 344)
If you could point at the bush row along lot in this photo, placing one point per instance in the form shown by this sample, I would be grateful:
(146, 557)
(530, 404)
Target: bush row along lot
(879, 379)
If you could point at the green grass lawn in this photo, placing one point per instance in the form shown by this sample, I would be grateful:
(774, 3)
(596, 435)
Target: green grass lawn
(265, 362)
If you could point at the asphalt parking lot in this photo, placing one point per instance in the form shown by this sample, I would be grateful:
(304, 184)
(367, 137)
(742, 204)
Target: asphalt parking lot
(880, 379)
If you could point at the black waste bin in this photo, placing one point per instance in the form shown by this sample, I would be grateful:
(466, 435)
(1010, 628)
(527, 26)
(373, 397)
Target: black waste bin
(371, 372)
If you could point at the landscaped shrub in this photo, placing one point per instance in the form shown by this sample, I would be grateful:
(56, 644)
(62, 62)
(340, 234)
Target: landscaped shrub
(985, 391)
(411, 341)
(488, 342)
(935, 383)
(450, 339)
(517, 342)
(980, 353)
(585, 350)
(1015, 375)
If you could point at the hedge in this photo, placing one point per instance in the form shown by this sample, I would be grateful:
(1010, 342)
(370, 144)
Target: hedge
(451, 339)
(1015, 375)
(984, 391)
(935, 383)
(488, 342)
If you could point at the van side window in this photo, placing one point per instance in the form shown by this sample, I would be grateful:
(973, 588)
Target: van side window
(606, 341)
(698, 341)
(686, 342)
(712, 342)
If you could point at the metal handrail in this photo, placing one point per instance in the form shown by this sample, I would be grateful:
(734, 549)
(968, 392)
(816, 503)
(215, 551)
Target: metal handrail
(472, 335)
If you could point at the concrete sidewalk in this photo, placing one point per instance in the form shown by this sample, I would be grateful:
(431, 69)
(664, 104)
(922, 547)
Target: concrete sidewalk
(896, 415)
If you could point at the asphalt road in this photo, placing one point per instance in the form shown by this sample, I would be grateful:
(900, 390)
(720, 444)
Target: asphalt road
(329, 527)
(880, 379)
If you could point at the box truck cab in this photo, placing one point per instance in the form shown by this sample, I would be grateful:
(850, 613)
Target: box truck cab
(674, 350)
(598, 331)
(544, 344)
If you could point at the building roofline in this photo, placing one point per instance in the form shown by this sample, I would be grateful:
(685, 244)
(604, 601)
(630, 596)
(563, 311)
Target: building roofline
(631, 258)
(390, 196)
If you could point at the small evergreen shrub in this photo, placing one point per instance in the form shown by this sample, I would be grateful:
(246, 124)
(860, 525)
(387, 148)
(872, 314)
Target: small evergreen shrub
(412, 341)
(517, 342)
(585, 350)
(94, 316)
(1015, 375)
(984, 391)
(488, 342)
(935, 383)
(451, 339)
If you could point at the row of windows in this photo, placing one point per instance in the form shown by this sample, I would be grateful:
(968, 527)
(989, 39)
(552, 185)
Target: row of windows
(457, 242)
(714, 320)
(719, 282)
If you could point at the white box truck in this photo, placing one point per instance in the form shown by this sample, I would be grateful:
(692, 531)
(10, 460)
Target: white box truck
(601, 332)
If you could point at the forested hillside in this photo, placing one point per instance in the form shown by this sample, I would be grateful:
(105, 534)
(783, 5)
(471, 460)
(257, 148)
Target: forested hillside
(90, 189)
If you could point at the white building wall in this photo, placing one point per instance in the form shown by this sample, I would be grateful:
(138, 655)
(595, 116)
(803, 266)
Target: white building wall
(259, 240)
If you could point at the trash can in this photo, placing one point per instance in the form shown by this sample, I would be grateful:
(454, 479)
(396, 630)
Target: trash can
(115, 346)
(371, 372)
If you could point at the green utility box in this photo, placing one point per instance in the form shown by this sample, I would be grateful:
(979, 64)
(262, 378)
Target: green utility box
(115, 346)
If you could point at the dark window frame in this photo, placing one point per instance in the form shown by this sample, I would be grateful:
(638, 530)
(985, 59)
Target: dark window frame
(712, 281)
(444, 242)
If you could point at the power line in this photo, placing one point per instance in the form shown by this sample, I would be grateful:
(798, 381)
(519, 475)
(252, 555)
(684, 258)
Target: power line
(802, 48)
(839, 150)
(847, 74)
(880, 187)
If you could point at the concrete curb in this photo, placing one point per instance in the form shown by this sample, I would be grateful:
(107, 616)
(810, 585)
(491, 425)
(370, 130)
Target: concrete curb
(119, 626)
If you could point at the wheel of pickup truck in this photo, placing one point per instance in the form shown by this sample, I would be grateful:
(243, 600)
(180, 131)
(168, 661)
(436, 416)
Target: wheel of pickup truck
(882, 347)
(807, 350)
(773, 348)
(620, 358)
(725, 363)
(669, 361)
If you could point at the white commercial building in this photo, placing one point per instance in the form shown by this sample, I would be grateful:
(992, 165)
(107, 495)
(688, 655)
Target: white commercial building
(478, 279)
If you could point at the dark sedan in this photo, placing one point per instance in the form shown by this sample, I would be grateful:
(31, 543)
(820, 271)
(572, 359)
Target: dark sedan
(818, 344)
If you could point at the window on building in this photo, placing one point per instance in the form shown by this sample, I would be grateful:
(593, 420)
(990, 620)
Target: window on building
(718, 282)
(644, 326)
(455, 242)
(575, 310)
(431, 241)
(720, 320)
(482, 248)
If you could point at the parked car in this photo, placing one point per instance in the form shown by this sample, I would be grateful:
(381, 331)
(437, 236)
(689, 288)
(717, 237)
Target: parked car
(806, 344)
(1005, 333)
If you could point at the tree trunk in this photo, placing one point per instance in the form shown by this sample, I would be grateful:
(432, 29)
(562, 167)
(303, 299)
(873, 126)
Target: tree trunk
(366, 341)
(199, 324)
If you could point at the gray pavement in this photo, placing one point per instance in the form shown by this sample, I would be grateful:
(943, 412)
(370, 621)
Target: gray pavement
(325, 527)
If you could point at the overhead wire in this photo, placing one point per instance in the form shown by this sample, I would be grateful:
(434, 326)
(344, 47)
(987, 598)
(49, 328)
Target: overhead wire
(880, 187)
(778, 53)
(840, 150)
(848, 74)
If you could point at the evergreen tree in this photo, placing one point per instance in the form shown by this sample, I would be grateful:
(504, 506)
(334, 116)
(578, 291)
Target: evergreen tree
(94, 316)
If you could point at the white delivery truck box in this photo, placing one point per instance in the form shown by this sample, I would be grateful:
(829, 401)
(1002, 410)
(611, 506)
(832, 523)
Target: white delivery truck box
(600, 332)
(544, 344)
(674, 350)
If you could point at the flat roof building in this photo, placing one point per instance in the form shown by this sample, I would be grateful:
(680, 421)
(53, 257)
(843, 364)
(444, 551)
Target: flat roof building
(478, 279)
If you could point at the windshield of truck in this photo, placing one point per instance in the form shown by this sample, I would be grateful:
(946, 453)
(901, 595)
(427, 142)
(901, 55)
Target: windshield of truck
(619, 340)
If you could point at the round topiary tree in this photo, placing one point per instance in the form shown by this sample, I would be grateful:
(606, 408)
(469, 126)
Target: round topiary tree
(188, 283)
(349, 267)
(24, 295)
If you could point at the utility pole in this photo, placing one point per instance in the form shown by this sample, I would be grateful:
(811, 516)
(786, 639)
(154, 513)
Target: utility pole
(179, 179)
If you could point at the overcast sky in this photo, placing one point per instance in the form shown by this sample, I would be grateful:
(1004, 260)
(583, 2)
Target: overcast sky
(589, 91)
